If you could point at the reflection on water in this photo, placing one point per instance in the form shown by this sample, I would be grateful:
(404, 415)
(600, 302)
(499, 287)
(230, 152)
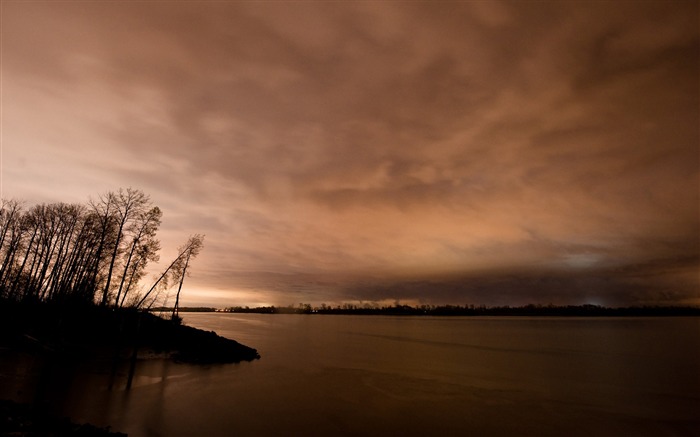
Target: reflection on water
(367, 375)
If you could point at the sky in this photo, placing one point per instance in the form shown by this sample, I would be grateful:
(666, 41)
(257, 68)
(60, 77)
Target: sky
(487, 153)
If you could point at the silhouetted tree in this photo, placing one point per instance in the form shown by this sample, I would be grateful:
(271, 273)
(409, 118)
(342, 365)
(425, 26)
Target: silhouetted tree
(73, 252)
(190, 250)
(11, 236)
(177, 268)
(144, 248)
(127, 206)
(103, 209)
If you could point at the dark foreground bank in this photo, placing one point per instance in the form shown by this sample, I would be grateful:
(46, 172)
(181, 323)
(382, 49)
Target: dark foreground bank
(91, 330)
(53, 333)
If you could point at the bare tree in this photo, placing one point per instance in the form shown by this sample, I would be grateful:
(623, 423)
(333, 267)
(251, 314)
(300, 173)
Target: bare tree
(11, 236)
(190, 250)
(103, 215)
(9, 212)
(78, 278)
(67, 251)
(127, 205)
(144, 247)
(177, 269)
(69, 219)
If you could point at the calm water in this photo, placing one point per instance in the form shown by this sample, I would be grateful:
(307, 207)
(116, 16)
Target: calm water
(376, 375)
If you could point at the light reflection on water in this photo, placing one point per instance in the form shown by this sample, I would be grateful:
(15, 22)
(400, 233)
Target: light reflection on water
(369, 375)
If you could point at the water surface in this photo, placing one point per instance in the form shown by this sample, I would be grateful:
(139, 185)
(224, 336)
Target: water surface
(382, 375)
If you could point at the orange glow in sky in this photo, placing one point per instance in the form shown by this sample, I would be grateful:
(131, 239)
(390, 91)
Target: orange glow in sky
(458, 152)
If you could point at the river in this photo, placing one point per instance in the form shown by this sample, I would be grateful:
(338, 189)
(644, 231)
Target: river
(380, 375)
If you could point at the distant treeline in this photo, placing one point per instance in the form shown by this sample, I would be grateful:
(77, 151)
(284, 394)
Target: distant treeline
(471, 310)
(92, 253)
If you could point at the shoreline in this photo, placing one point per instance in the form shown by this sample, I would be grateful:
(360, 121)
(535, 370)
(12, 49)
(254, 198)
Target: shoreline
(531, 310)
(91, 330)
(53, 335)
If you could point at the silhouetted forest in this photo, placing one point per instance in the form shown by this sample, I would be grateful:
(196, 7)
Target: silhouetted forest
(92, 253)
(71, 288)
(71, 274)
(470, 310)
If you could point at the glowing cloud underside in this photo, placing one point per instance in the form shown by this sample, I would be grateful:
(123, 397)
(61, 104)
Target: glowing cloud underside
(477, 152)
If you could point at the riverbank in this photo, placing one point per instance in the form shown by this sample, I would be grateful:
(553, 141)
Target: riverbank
(51, 334)
(92, 330)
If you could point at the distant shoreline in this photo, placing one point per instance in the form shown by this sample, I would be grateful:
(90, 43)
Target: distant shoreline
(456, 310)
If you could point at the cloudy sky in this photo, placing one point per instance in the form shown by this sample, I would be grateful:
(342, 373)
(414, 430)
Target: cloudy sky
(426, 152)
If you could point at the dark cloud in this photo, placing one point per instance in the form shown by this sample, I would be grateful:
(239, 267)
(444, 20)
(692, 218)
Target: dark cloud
(663, 281)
